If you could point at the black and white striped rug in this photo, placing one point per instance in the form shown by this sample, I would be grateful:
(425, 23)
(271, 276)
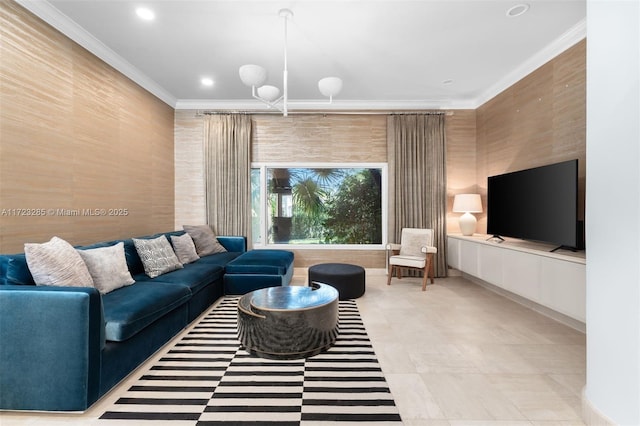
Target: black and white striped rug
(207, 379)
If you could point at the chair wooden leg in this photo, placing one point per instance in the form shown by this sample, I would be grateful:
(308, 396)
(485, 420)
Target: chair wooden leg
(428, 271)
(424, 276)
(430, 262)
(390, 274)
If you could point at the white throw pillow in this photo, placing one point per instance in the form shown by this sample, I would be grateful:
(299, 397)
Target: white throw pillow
(57, 263)
(185, 248)
(108, 267)
(157, 256)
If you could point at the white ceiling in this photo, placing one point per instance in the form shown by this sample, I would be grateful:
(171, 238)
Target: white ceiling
(390, 54)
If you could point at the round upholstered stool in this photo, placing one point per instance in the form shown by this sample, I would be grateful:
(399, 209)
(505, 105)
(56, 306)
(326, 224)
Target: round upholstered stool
(347, 279)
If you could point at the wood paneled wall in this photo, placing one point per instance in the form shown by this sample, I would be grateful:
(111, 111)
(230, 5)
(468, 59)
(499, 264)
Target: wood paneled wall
(85, 153)
(460, 130)
(317, 138)
(323, 137)
(299, 138)
(77, 135)
(190, 206)
(539, 120)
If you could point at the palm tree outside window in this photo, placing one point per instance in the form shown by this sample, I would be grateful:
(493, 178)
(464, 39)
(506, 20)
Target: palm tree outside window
(326, 205)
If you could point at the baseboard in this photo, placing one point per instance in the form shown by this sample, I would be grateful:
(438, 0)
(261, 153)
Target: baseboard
(591, 415)
(454, 273)
(564, 319)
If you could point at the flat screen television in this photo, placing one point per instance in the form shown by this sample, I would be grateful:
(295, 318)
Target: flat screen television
(538, 204)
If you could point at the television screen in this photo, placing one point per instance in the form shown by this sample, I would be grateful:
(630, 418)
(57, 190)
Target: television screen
(539, 204)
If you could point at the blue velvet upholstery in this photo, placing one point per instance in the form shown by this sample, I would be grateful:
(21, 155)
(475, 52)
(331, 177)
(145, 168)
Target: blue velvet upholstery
(14, 270)
(220, 259)
(132, 308)
(243, 283)
(271, 262)
(120, 358)
(62, 348)
(258, 269)
(198, 277)
(233, 243)
(61, 371)
(194, 276)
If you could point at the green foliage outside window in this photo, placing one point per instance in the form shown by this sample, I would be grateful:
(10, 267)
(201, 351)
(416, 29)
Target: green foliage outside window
(329, 205)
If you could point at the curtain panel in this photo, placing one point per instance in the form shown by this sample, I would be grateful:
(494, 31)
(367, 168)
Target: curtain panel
(418, 186)
(227, 173)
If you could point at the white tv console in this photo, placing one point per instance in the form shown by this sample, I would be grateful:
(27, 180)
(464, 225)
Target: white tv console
(529, 273)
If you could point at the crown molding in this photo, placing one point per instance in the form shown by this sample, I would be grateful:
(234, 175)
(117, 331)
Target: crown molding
(571, 37)
(336, 105)
(61, 22)
(47, 12)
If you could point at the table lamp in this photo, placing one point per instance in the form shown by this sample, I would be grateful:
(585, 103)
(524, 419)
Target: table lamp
(467, 204)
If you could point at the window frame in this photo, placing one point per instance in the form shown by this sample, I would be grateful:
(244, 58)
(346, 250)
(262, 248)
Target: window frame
(263, 166)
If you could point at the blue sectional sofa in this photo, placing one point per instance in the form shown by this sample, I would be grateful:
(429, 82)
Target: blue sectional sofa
(62, 348)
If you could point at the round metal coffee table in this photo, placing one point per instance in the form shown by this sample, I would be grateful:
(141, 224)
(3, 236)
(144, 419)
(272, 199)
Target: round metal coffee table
(288, 322)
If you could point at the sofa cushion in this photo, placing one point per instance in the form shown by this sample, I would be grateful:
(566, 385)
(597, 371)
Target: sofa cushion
(270, 262)
(57, 263)
(233, 243)
(157, 256)
(185, 248)
(220, 259)
(204, 239)
(133, 259)
(195, 276)
(129, 310)
(15, 270)
(107, 266)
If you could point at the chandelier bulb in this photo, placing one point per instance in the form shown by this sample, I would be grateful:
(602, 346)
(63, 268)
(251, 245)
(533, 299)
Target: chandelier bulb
(285, 13)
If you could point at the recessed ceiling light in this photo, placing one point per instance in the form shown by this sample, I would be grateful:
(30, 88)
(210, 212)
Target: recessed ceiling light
(517, 10)
(207, 82)
(145, 13)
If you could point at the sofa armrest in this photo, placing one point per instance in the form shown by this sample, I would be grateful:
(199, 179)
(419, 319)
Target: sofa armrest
(50, 347)
(233, 243)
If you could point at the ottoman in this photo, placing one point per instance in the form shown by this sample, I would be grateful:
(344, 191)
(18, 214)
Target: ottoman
(347, 279)
(258, 269)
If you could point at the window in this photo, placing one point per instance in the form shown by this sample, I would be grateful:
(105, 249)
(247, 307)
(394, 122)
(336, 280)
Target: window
(319, 205)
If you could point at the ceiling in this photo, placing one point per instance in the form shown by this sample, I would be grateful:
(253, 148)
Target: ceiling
(390, 54)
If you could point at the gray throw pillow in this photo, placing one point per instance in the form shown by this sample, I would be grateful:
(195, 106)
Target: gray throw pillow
(108, 267)
(57, 263)
(157, 256)
(204, 239)
(185, 248)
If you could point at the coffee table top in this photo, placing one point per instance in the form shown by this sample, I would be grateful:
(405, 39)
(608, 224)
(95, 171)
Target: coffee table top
(293, 297)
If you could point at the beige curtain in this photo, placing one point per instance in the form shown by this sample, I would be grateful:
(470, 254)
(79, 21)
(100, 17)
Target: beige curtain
(418, 184)
(227, 171)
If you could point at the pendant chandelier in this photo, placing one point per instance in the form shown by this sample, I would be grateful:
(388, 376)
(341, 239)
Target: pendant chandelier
(255, 77)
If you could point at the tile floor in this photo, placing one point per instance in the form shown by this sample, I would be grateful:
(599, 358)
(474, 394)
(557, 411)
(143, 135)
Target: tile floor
(454, 355)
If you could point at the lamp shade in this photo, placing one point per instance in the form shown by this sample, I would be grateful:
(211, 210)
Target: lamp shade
(253, 75)
(330, 86)
(467, 203)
